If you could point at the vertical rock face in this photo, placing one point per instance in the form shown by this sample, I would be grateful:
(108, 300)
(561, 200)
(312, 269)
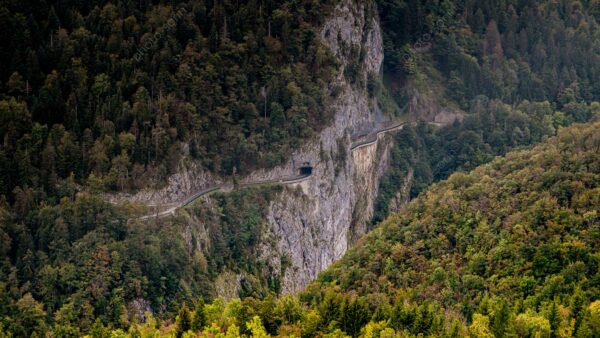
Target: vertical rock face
(311, 223)
(314, 222)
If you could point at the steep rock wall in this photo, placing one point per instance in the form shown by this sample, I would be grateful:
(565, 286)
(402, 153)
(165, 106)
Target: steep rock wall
(315, 226)
(311, 223)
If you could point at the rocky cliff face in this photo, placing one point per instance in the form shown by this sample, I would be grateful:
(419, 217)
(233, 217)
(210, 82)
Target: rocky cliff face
(315, 224)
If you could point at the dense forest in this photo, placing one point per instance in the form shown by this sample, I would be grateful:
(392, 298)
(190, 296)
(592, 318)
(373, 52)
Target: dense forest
(503, 49)
(92, 263)
(122, 90)
(491, 128)
(102, 96)
(508, 250)
(518, 69)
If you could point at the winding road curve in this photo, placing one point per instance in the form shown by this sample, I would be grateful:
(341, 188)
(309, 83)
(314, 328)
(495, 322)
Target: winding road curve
(368, 140)
(372, 138)
(222, 188)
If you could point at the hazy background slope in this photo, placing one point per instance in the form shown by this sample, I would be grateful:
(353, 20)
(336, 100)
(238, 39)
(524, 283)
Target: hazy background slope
(511, 71)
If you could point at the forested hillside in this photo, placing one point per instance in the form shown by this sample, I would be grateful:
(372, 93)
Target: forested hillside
(122, 90)
(503, 49)
(508, 250)
(103, 96)
(517, 69)
(492, 128)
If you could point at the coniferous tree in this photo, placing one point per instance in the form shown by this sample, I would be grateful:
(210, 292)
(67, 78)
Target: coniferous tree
(554, 318)
(500, 319)
(199, 317)
(183, 322)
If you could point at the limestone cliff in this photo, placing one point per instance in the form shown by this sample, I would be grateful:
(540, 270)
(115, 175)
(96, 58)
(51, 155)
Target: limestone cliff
(315, 228)
(313, 222)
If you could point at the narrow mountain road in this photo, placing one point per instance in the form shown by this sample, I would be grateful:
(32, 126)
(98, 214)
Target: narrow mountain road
(366, 141)
(223, 188)
(372, 138)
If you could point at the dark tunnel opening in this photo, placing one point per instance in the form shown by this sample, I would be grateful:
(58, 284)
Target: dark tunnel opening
(305, 169)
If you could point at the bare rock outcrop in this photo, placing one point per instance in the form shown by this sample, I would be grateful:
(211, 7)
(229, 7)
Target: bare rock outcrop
(312, 223)
(315, 224)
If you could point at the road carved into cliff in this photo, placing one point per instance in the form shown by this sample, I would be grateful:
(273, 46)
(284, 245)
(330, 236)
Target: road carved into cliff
(223, 188)
(365, 141)
(374, 137)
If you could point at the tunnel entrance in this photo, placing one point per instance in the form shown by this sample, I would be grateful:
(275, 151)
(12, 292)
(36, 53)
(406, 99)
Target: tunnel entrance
(305, 169)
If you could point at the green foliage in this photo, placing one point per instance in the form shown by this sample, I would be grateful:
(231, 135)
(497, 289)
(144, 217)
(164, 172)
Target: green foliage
(472, 257)
(135, 88)
(354, 315)
(98, 96)
(518, 70)
(490, 129)
(235, 223)
(183, 321)
(91, 100)
(477, 247)
(199, 317)
(506, 50)
(85, 261)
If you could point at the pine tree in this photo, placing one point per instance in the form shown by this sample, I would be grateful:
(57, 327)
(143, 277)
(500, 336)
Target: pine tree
(183, 321)
(500, 319)
(577, 309)
(478, 21)
(493, 42)
(354, 315)
(455, 329)
(554, 319)
(199, 317)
